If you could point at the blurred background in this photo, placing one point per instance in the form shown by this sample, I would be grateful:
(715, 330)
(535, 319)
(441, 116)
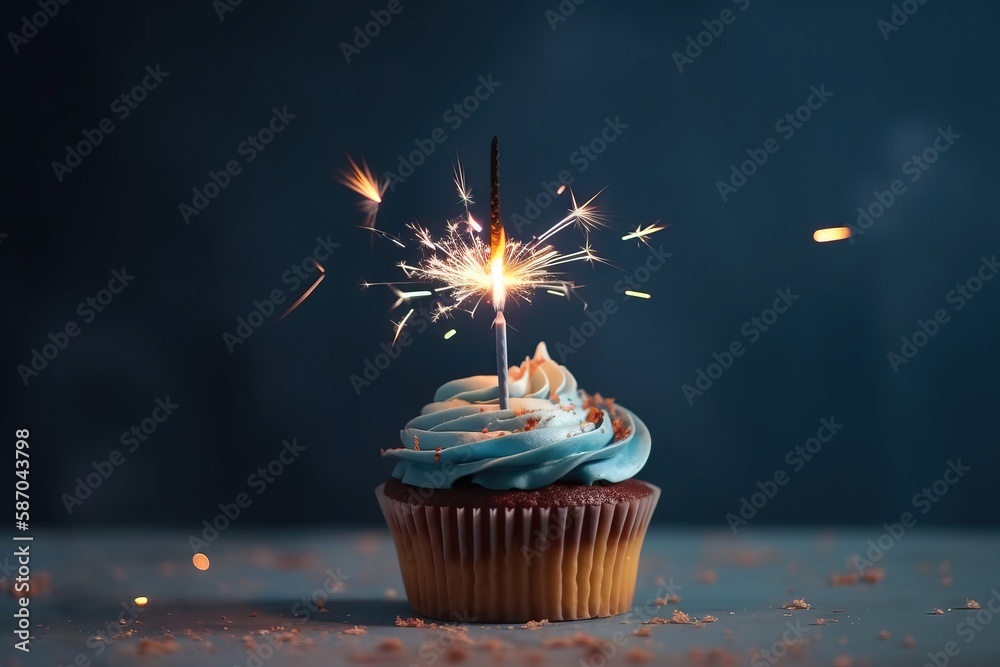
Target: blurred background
(681, 92)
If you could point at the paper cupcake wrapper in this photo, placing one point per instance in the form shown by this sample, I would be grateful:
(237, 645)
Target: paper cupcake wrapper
(514, 565)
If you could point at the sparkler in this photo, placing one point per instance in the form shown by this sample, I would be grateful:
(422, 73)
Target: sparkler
(498, 242)
(460, 269)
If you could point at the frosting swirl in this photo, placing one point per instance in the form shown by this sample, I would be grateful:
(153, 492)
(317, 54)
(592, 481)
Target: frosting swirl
(552, 433)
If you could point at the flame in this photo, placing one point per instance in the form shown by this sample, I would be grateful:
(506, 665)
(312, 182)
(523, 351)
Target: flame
(831, 234)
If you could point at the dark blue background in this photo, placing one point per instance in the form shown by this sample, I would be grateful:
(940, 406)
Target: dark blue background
(826, 357)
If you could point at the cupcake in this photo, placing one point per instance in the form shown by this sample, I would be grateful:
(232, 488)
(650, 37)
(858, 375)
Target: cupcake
(522, 514)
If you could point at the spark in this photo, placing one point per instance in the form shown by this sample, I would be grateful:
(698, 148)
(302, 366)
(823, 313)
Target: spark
(831, 234)
(385, 235)
(476, 227)
(641, 234)
(399, 327)
(141, 601)
(361, 180)
(557, 293)
(200, 561)
(641, 295)
(585, 216)
(464, 193)
(562, 189)
(402, 296)
(450, 333)
(305, 295)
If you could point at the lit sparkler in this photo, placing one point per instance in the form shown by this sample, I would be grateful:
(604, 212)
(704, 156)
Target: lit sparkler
(465, 269)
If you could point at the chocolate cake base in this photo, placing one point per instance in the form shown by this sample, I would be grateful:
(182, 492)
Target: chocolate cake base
(563, 552)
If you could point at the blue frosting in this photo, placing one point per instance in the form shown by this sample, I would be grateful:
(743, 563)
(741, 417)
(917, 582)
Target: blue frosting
(544, 437)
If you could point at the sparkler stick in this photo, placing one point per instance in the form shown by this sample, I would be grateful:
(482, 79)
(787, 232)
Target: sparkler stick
(498, 242)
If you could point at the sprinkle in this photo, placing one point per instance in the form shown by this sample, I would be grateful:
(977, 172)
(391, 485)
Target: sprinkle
(416, 444)
(437, 454)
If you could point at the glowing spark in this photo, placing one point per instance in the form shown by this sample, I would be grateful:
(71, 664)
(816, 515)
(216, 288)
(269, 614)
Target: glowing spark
(141, 601)
(450, 334)
(476, 227)
(584, 216)
(305, 295)
(402, 296)
(200, 561)
(831, 234)
(562, 189)
(641, 234)
(552, 291)
(361, 180)
(464, 194)
(641, 295)
(385, 235)
(399, 327)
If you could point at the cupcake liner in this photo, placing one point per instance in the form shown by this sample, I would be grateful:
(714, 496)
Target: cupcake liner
(492, 565)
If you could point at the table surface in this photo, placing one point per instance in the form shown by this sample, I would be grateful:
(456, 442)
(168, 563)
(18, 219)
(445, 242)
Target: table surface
(253, 606)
